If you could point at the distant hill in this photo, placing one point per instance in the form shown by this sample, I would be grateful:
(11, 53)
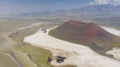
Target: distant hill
(88, 34)
(102, 14)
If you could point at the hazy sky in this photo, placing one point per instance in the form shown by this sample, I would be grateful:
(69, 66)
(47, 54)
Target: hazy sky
(8, 6)
(17, 6)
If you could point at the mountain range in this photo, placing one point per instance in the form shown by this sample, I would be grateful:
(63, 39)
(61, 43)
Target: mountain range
(88, 11)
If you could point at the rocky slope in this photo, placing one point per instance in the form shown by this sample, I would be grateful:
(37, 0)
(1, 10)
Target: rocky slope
(88, 34)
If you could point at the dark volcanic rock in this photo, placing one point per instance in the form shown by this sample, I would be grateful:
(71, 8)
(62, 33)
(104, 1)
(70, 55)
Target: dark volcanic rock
(49, 59)
(60, 59)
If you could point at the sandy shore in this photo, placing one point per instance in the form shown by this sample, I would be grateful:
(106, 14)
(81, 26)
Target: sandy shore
(82, 56)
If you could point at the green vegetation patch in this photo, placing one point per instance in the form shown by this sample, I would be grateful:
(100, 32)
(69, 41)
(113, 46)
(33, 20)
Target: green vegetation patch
(36, 55)
(7, 61)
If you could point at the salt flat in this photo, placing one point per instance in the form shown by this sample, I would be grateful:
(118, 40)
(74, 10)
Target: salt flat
(82, 56)
(111, 30)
